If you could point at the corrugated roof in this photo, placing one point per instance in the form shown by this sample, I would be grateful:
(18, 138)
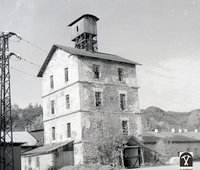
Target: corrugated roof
(82, 52)
(85, 15)
(47, 148)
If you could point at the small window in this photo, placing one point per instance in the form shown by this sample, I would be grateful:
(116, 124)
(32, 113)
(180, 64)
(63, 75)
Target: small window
(53, 133)
(120, 74)
(122, 101)
(77, 28)
(98, 98)
(51, 82)
(67, 101)
(178, 153)
(125, 127)
(38, 162)
(195, 150)
(29, 160)
(68, 130)
(52, 107)
(96, 71)
(66, 74)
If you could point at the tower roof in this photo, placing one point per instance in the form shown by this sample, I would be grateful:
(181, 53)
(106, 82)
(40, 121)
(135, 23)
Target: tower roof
(85, 15)
(81, 52)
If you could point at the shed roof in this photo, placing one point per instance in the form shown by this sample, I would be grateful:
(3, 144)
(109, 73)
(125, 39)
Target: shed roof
(85, 15)
(83, 53)
(47, 148)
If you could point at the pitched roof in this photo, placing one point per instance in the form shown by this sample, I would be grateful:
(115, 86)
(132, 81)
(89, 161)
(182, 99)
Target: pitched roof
(152, 137)
(22, 137)
(149, 139)
(47, 148)
(39, 136)
(83, 53)
(85, 15)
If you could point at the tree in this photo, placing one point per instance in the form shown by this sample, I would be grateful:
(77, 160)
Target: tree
(107, 139)
(165, 149)
(30, 116)
(194, 120)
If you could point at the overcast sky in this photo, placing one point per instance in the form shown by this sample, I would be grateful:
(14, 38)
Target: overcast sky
(163, 35)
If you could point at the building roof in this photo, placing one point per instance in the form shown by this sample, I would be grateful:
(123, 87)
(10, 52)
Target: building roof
(22, 137)
(85, 15)
(152, 137)
(149, 139)
(193, 135)
(47, 148)
(39, 136)
(83, 53)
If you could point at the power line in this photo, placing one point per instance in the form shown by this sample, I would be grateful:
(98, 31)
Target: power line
(30, 62)
(28, 74)
(34, 45)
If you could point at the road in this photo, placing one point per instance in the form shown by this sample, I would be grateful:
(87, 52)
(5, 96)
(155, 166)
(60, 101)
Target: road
(196, 166)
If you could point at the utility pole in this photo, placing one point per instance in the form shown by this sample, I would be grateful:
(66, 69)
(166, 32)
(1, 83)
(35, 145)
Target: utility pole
(6, 137)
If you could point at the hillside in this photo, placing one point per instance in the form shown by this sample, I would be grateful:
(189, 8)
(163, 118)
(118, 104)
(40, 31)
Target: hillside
(152, 118)
(29, 117)
(156, 118)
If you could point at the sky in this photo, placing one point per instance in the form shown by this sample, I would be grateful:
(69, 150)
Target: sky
(162, 35)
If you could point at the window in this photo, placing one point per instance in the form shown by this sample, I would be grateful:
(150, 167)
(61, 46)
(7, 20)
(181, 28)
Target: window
(66, 74)
(51, 82)
(53, 133)
(77, 28)
(38, 162)
(195, 150)
(122, 101)
(68, 130)
(98, 99)
(96, 71)
(67, 101)
(120, 74)
(29, 160)
(52, 107)
(125, 127)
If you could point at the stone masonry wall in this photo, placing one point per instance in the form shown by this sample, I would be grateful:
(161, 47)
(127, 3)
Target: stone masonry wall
(110, 112)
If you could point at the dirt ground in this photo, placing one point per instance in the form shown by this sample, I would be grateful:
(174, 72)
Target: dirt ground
(196, 166)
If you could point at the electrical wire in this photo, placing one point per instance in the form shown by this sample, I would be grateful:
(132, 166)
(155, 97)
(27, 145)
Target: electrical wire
(28, 74)
(30, 62)
(34, 45)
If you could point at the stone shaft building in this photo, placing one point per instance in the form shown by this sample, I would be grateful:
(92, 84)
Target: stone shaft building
(81, 86)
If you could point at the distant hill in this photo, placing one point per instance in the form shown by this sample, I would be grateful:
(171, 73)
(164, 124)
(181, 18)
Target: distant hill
(156, 118)
(152, 118)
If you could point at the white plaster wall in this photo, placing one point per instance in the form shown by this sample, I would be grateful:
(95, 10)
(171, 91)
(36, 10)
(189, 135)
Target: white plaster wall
(60, 102)
(60, 125)
(59, 61)
(78, 153)
(46, 161)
